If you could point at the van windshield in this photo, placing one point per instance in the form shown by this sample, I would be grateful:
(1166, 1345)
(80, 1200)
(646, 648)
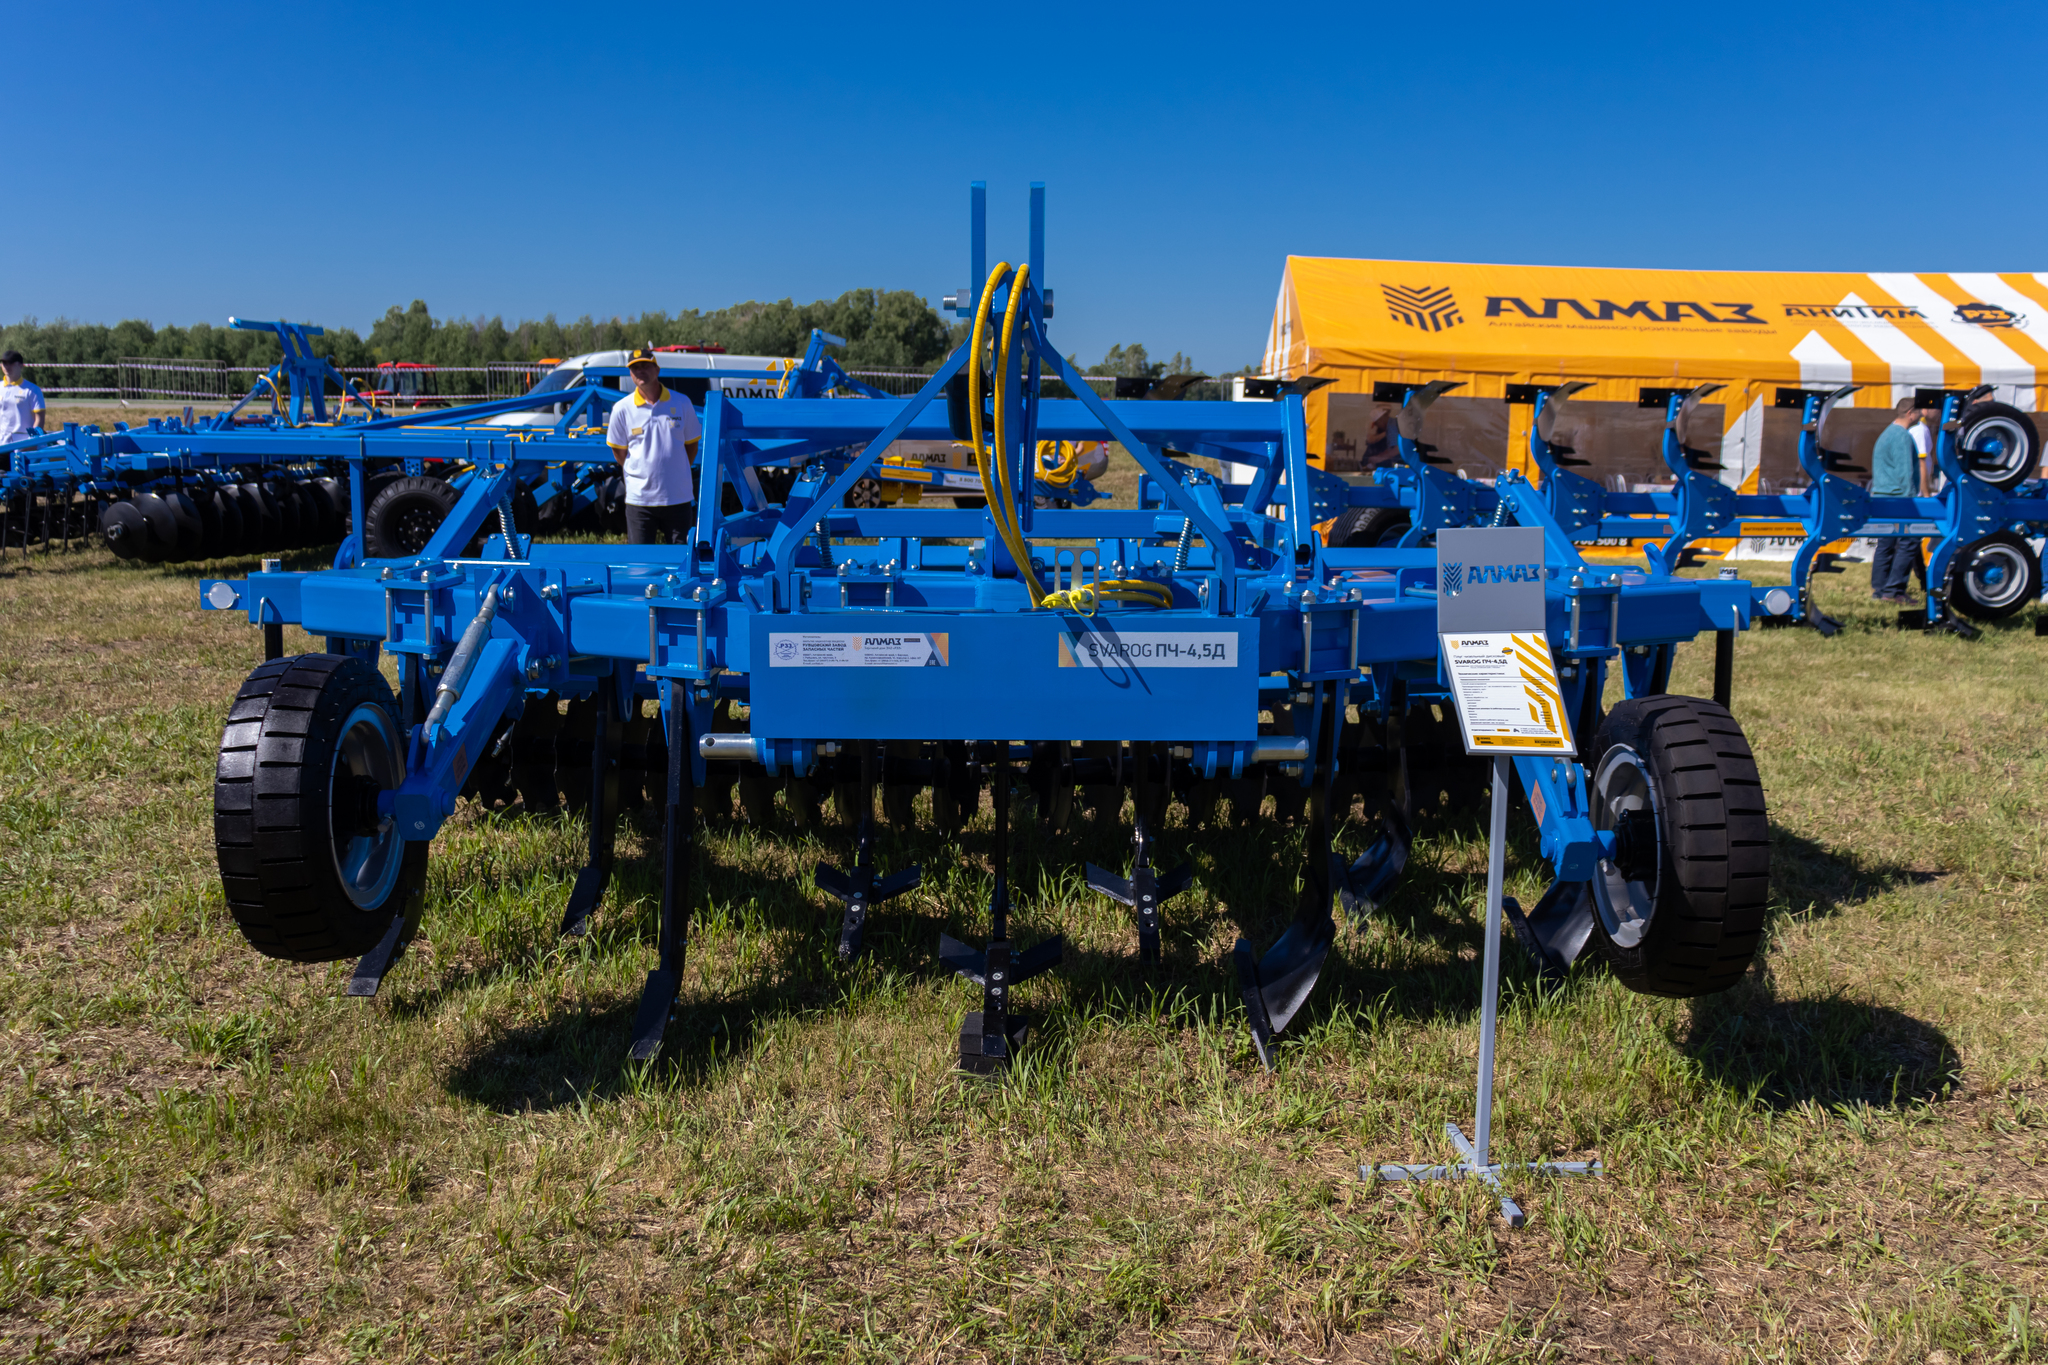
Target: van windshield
(560, 378)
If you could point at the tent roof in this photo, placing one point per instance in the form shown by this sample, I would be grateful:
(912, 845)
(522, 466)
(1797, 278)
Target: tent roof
(1494, 324)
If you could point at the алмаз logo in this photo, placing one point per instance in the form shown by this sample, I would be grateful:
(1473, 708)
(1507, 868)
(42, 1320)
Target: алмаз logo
(1432, 309)
(1457, 578)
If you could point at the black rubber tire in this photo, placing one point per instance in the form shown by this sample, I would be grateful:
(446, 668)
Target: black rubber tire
(275, 810)
(1712, 853)
(865, 493)
(405, 515)
(122, 527)
(1992, 578)
(161, 541)
(2005, 430)
(1365, 528)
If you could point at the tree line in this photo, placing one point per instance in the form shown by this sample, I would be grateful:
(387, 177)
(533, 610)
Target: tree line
(884, 330)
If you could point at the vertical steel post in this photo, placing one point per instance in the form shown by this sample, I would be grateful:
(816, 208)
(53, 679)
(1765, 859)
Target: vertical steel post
(1038, 236)
(1489, 990)
(977, 235)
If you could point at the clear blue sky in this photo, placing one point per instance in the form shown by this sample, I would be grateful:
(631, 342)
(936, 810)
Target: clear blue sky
(181, 163)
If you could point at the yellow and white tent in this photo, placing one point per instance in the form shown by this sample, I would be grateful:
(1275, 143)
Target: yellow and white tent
(1361, 322)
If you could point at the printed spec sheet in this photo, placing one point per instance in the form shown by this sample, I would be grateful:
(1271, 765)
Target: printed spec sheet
(1509, 701)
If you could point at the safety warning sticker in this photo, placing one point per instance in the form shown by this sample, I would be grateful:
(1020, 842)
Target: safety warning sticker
(794, 649)
(1148, 649)
(1509, 701)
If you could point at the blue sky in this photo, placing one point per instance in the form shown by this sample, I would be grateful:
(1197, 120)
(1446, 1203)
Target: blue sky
(322, 162)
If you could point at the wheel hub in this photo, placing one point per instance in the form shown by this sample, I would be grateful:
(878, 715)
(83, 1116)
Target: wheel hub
(1625, 886)
(367, 763)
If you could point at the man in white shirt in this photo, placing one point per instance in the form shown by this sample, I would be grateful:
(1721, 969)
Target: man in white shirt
(653, 436)
(21, 403)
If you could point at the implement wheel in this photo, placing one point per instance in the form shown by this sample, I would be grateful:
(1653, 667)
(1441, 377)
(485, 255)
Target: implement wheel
(1998, 444)
(1679, 909)
(405, 516)
(1990, 579)
(1366, 528)
(311, 871)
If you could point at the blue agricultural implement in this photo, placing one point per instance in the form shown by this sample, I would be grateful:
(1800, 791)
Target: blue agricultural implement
(1205, 646)
(1991, 502)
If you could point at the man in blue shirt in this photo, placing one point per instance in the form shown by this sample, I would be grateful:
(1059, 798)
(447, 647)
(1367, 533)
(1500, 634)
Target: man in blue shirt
(1894, 473)
(21, 403)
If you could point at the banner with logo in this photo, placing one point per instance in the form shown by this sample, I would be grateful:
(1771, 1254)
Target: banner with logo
(1364, 323)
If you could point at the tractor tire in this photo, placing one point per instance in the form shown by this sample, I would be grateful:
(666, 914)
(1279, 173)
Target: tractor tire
(122, 527)
(404, 517)
(310, 873)
(1990, 579)
(1998, 444)
(1679, 910)
(1367, 528)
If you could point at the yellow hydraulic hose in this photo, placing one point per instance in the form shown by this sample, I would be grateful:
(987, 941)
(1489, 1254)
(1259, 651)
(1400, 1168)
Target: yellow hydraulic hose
(1002, 502)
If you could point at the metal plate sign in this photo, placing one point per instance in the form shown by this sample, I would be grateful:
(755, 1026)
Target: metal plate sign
(1490, 617)
(1489, 579)
(893, 649)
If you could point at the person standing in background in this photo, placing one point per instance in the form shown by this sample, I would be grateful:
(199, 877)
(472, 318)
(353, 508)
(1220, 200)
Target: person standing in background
(21, 403)
(1894, 473)
(1922, 432)
(653, 435)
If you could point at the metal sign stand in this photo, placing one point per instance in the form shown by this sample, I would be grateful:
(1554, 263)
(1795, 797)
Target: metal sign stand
(1487, 603)
(1474, 1153)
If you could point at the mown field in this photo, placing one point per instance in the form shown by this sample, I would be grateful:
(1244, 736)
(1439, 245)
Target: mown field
(210, 1156)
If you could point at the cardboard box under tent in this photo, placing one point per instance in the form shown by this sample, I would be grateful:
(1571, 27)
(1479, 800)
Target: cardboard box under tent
(1374, 326)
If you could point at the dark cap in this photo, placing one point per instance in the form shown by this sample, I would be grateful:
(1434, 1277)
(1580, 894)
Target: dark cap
(642, 355)
(10, 357)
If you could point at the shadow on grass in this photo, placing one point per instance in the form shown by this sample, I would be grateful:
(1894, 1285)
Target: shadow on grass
(1815, 881)
(1827, 1050)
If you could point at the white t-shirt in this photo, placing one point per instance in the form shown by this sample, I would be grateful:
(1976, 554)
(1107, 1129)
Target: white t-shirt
(19, 404)
(1923, 443)
(654, 435)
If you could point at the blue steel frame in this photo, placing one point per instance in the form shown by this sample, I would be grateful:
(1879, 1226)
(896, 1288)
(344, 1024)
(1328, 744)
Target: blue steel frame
(689, 625)
(1832, 508)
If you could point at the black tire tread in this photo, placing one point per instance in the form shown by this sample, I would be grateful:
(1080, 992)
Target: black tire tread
(276, 872)
(1707, 927)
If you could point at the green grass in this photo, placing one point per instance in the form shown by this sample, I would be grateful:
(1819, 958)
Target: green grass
(207, 1155)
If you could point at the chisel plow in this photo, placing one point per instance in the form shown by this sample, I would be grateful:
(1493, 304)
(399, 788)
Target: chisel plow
(1205, 648)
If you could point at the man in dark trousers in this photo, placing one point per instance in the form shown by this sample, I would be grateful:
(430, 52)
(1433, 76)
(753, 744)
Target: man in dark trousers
(1894, 473)
(653, 435)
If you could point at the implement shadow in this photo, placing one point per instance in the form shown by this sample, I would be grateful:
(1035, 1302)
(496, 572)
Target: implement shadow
(578, 1053)
(1815, 881)
(1828, 1050)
